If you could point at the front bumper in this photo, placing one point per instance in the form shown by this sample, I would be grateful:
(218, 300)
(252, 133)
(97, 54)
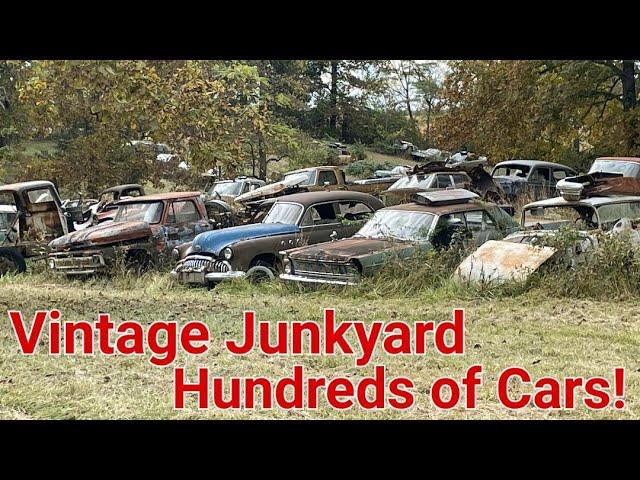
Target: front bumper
(203, 270)
(77, 263)
(325, 280)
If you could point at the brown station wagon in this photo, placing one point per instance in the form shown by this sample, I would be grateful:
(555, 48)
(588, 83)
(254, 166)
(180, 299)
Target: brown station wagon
(252, 250)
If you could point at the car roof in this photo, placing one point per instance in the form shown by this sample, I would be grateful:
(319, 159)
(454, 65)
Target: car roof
(532, 163)
(157, 197)
(19, 187)
(591, 201)
(119, 188)
(439, 209)
(624, 159)
(300, 170)
(308, 198)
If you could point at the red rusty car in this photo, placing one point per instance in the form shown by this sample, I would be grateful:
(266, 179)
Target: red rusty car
(144, 231)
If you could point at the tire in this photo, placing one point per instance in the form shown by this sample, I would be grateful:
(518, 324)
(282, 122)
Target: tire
(261, 271)
(138, 261)
(11, 261)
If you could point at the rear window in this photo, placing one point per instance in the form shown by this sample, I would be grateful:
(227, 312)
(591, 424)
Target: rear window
(511, 171)
(40, 195)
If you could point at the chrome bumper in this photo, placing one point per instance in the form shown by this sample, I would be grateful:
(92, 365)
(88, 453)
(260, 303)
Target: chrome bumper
(77, 264)
(302, 279)
(200, 275)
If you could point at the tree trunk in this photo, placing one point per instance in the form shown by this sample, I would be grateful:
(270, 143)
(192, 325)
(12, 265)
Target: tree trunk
(428, 125)
(629, 100)
(345, 127)
(333, 118)
(629, 103)
(262, 157)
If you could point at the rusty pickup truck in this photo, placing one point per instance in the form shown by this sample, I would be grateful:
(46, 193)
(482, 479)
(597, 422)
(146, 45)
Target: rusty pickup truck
(144, 231)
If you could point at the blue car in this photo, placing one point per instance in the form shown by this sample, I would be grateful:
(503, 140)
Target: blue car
(252, 250)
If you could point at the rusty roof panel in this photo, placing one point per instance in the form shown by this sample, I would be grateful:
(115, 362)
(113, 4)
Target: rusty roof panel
(502, 261)
(158, 197)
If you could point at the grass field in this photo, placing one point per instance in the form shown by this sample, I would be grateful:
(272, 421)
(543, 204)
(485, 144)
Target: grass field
(546, 335)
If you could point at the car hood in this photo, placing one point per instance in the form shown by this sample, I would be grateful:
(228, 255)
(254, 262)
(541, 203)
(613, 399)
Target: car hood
(103, 234)
(214, 241)
(345, 249)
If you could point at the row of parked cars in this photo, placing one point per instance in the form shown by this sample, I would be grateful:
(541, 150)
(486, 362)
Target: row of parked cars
(310, 236)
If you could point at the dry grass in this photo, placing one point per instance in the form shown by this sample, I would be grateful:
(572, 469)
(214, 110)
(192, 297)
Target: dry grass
(548, 336)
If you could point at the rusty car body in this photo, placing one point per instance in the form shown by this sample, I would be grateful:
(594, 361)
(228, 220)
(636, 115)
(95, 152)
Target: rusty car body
(144, 231)
(311, 179)
(31, 216)
(434, 220)
(501, 261)
(532, 178)
(252, 250)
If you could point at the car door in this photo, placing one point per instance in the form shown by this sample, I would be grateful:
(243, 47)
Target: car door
(319, 222)
(482, 227)
(183, 222)
(352, 215)
(539, 183)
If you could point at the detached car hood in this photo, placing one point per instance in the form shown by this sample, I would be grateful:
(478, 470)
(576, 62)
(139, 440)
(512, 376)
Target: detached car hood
(345, 249)
(214, 241)
(103, 235)
(271, 189)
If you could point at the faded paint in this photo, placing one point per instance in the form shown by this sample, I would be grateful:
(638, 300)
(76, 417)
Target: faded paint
(502, 261)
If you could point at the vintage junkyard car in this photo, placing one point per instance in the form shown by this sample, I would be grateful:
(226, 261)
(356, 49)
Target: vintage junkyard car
(144, 231)
(533, 178)
(228, 190)
(105, 209)
(31, 215)
(404, 188)
(523, 252)
(252, 250)
(432, 221)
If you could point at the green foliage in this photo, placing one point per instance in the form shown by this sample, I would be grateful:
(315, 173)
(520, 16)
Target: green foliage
(365, 168)
(357, 150)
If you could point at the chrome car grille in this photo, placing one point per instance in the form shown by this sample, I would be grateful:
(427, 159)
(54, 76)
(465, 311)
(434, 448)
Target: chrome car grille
(199, 263)
(310, 267)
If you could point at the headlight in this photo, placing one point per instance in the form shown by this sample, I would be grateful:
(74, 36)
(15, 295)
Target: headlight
(175, 254)
(287, 266)
(227, 253)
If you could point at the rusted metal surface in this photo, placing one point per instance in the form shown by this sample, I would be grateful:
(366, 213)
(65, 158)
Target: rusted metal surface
(160, 197)
(502, 261)
(104, 234)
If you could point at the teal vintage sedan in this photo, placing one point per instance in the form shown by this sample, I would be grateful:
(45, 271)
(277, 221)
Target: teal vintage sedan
(431, 221)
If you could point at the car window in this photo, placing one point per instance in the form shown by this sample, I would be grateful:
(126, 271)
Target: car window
(474, 220)
(354, 211)
(183, 212)
(540, 174)
(610, 214)
(443, 181)
(323, 214)
(41, 195)
(459, 180)
(559, 174)
(327, 176)
(133, 192)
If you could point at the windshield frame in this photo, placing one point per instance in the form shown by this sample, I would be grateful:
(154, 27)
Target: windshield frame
(298, 218)
(237, 184)
(156, 202)
(434, 216)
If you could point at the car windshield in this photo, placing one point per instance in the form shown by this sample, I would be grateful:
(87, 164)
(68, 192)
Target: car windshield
(231, 189)
(627, 169)
(7, 217)
(282, 212)
(413, 181)
(511, 171)
(308, 177)
(150, 212)
(610, 214)
(399, 225)
(582, 217)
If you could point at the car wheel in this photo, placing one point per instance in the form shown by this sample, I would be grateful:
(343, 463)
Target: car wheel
(261, 271)
(11, 261)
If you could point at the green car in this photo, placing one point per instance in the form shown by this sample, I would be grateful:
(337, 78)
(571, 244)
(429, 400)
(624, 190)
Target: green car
(433, 220)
